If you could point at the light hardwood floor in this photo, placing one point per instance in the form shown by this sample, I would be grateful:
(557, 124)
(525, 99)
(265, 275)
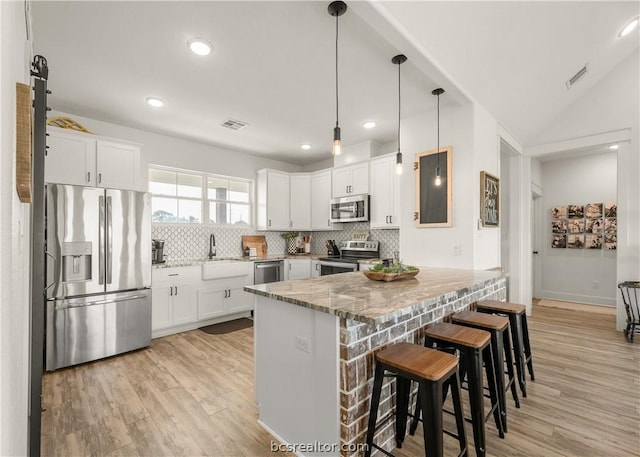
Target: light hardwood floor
(191, 394)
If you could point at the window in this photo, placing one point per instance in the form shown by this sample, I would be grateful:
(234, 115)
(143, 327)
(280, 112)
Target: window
(196, 198)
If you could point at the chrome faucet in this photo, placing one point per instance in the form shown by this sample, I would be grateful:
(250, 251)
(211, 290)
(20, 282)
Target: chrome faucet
(212, 246)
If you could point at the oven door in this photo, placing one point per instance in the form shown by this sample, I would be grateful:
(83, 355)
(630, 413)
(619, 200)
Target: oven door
(332, 268)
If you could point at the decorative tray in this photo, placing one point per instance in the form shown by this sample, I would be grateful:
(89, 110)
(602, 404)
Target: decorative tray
(378, 276)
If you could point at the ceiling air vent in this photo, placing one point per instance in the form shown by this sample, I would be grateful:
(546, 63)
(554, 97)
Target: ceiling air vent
(578, 76)
(233, 124)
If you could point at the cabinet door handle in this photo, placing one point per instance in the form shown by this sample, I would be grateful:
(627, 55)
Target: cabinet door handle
(88, 176)
(269, 224)
(171, 291)
(390, 219)
(229, 294)
(99, 178)
(328, 222)
(317, 265)
(176, 294)
(290, 223)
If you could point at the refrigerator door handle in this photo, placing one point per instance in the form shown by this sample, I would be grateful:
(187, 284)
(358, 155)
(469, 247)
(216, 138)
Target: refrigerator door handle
(55, 261)
(101, 247)
(109, 229)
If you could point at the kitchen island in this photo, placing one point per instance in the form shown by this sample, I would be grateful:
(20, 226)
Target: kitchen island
(315, 341)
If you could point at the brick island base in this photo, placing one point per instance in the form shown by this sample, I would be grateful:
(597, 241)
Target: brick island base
(314, 350)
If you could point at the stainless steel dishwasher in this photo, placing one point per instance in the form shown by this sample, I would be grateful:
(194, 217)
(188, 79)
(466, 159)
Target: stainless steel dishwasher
(268, 271)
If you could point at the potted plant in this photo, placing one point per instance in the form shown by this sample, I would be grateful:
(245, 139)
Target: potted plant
(291, 241)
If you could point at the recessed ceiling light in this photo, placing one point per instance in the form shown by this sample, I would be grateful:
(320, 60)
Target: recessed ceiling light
(369, 124)
(613, 146)
(629, 27)
(200, 46)
(155, 102)
(305, 146)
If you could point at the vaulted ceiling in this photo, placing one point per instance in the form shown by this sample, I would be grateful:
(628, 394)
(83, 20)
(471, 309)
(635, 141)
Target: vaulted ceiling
(273, 65)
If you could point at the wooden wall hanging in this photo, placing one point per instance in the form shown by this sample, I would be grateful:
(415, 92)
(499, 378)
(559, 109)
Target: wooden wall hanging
(24, 153)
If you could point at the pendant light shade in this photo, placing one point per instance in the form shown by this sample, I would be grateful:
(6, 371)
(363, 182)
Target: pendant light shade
(337, 9)
(438, 179)
(399, 60)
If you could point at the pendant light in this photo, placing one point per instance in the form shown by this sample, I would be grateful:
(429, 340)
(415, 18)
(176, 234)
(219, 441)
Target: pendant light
(337, 9)
(438, 179)
(399, 60)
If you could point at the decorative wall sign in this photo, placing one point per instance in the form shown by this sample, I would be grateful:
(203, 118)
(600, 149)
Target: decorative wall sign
(584, 227)
(489, 199)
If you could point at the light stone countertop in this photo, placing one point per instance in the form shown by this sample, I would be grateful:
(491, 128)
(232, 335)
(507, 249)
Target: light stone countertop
(197, 262)
(354, 296)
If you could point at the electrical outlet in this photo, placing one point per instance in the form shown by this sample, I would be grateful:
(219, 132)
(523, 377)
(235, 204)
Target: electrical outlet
(303, 344)
(456, 249)
(596, 284)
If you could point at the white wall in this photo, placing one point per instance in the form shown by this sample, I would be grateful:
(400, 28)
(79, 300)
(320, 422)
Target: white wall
(14, 242)
(613, 104)
(434, 246)
(486, 145)
(569, 274)
(175, 152)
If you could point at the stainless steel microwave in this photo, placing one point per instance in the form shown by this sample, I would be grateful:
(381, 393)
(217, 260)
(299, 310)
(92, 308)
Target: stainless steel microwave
(354, 208)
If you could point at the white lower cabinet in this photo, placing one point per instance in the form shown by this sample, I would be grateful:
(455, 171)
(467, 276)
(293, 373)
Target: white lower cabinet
(172, 302)
(182, 300)
(224, 296)
(315, 269)
(297, 269)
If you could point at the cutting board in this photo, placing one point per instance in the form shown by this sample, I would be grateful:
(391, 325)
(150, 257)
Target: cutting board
(255, 241)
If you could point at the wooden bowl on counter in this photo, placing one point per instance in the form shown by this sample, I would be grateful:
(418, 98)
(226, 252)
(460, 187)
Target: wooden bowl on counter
(379, 276)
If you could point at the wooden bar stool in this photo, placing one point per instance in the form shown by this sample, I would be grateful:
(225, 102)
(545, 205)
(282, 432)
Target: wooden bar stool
(498, 327)
(519, 335)
(430, 369)
(474, 345)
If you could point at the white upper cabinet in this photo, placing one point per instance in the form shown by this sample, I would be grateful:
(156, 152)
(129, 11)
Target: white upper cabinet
(118, 165)
(272, 200)
(88, 160)
(384, 209)
(351, 180)
(320, 198)
(300, 197)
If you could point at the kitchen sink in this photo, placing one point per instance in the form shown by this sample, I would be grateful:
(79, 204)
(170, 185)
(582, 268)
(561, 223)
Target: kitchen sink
(219, 269)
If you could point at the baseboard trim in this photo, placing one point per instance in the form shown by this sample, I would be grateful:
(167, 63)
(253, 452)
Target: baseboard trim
(578, 298)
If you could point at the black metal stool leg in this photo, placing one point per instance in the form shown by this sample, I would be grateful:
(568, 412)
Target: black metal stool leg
(527, 345)
(431, 397)
(403, 387)
(373, 413)
(498, 360)
(509, 360)
(476, 399)
(459, 413)
(518, 350)
(493, 389)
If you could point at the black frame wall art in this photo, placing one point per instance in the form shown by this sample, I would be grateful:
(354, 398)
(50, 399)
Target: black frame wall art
(433, 202)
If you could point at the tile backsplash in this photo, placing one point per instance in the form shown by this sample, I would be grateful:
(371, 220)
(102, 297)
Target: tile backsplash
(191, 242)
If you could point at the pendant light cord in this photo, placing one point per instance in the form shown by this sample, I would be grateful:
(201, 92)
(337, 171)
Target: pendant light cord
(438, 133)
(337, 70)
(399, 106)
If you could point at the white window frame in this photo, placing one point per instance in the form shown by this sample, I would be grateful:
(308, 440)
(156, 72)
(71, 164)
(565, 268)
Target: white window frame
(204, 198)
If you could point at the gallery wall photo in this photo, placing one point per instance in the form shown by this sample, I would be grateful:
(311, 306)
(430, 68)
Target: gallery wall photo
(590, 226)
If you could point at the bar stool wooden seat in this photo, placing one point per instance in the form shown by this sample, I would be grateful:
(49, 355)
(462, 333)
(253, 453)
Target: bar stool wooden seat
(498, 327)
(474, 346)
(430, 369)
(519, 335)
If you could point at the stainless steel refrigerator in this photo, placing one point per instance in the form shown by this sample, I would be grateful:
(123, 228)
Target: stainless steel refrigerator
(98, 273)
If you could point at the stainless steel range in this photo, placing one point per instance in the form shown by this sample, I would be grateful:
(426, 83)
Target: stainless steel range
(351, 252)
